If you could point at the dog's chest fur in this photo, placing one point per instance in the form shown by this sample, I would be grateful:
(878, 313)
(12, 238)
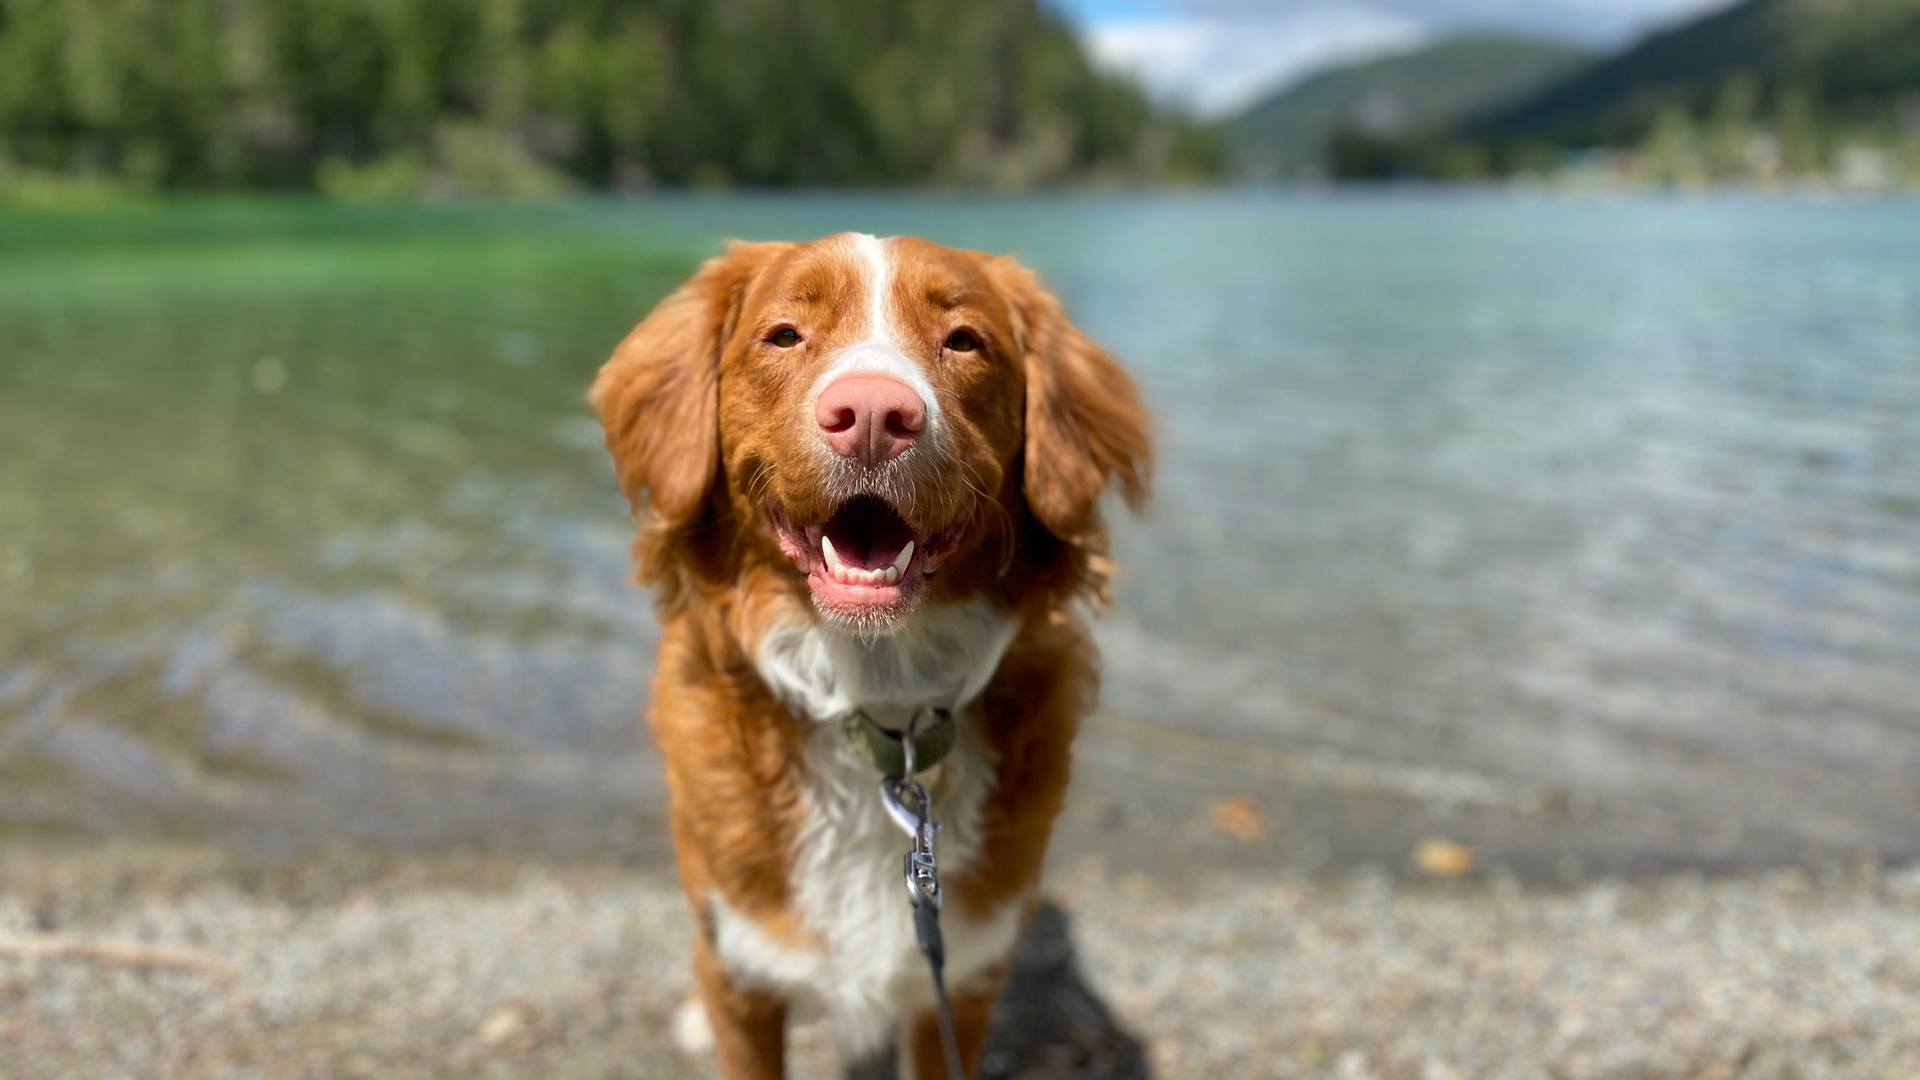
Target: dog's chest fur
(862, 966)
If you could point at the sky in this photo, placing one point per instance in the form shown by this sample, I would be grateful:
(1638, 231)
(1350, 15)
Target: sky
(1215, 56)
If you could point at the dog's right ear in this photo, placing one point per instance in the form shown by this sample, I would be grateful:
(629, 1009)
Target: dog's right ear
(659, 395)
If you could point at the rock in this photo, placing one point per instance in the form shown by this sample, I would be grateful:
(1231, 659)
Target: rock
(1353, 1065)
(1904, 884)
(507, 1027)
(1239, 817)
(1436, 857)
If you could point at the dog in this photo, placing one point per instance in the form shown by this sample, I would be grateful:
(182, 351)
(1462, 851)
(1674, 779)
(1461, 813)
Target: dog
(866, 477)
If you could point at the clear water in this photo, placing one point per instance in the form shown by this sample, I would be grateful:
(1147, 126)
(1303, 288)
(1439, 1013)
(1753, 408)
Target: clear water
(304, 530)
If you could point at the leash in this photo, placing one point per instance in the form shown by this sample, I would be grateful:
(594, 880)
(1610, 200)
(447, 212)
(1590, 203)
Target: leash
(911, 808)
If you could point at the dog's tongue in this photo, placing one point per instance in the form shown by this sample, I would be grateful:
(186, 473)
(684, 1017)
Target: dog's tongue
(867, 533)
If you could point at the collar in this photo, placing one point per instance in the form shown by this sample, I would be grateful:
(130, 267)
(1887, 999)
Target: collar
(885, 749)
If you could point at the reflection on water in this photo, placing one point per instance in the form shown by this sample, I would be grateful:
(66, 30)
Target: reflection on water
(303, 529)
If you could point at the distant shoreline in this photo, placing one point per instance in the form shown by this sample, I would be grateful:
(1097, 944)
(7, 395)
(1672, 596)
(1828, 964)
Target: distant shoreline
(83, 199)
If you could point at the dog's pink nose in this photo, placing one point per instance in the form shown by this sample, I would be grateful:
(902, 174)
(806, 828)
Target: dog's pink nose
(870, 418)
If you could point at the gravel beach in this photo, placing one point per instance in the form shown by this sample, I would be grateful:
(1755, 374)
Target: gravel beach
(122, 961)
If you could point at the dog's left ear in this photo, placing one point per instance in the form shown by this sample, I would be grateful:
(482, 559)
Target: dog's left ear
(1086, 425)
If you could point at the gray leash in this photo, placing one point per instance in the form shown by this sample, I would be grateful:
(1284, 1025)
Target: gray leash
(911, 808)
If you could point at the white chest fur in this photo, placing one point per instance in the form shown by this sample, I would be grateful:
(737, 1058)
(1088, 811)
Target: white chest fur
(944, 656)
(862, 967)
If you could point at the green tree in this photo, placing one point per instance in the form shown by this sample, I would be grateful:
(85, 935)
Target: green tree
(1730, 132)
(1671, 155)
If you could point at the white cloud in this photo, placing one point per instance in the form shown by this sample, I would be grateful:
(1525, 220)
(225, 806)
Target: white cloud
(1214, 66)
(1601, 22)
(1215, 56)
(1585, 17)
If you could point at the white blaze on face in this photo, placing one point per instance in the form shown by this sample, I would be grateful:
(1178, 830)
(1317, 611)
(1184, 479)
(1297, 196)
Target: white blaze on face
(881, 349)
(877, 275)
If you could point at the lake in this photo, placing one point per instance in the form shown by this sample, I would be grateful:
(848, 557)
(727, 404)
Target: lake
(1596, 512)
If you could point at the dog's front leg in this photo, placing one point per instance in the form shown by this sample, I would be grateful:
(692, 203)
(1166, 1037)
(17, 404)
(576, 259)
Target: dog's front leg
(749, 1026)
(972, 1005)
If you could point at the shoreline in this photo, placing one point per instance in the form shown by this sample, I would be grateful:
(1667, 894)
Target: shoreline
(1146, 798)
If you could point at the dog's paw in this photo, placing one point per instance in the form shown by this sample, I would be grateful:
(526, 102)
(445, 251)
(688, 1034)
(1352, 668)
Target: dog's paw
(692, 1031)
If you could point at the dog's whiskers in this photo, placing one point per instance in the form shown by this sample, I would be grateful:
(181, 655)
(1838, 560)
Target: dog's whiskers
(971, 478)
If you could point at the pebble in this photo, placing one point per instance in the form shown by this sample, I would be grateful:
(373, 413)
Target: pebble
(576, 972)
(1436, 857)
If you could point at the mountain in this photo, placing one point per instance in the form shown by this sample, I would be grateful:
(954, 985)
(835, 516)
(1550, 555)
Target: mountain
(1286, 135)
(1844, 55)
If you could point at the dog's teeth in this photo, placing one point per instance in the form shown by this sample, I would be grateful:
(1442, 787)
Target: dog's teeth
(855, 575)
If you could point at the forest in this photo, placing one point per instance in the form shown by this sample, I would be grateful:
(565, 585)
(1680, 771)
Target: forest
(384, 98)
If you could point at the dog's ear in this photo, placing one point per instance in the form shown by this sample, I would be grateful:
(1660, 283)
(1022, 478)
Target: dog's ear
(1086, 426)
(659, 396)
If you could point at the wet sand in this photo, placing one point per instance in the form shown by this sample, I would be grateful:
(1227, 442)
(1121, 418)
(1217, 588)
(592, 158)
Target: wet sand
(1144, 796)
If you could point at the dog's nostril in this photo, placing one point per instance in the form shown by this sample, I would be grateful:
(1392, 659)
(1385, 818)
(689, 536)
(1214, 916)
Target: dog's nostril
(840, 420)
(901, 426)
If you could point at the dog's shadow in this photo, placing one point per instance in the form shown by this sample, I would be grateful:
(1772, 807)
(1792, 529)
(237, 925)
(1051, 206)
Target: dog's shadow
(1047, 1022)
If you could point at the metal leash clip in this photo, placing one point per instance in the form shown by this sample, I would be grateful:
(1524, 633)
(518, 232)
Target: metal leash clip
(923, 876)
(923, 884)
(911, 808)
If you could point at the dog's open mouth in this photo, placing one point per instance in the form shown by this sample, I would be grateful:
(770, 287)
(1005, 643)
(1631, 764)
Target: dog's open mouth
(865, 562)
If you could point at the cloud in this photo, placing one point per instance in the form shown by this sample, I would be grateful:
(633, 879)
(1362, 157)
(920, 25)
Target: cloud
(1215, 65)
(1611, 20)
(1216, 56)
(1599, 22)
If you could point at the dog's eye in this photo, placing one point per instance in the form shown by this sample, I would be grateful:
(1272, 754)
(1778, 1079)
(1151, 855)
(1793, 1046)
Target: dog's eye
(962, 341)
(786, 337)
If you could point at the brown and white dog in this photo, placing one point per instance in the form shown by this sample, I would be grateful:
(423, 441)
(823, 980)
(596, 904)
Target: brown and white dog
(867, 475)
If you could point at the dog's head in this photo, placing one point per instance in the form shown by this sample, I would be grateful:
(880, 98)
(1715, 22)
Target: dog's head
(884, 420)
